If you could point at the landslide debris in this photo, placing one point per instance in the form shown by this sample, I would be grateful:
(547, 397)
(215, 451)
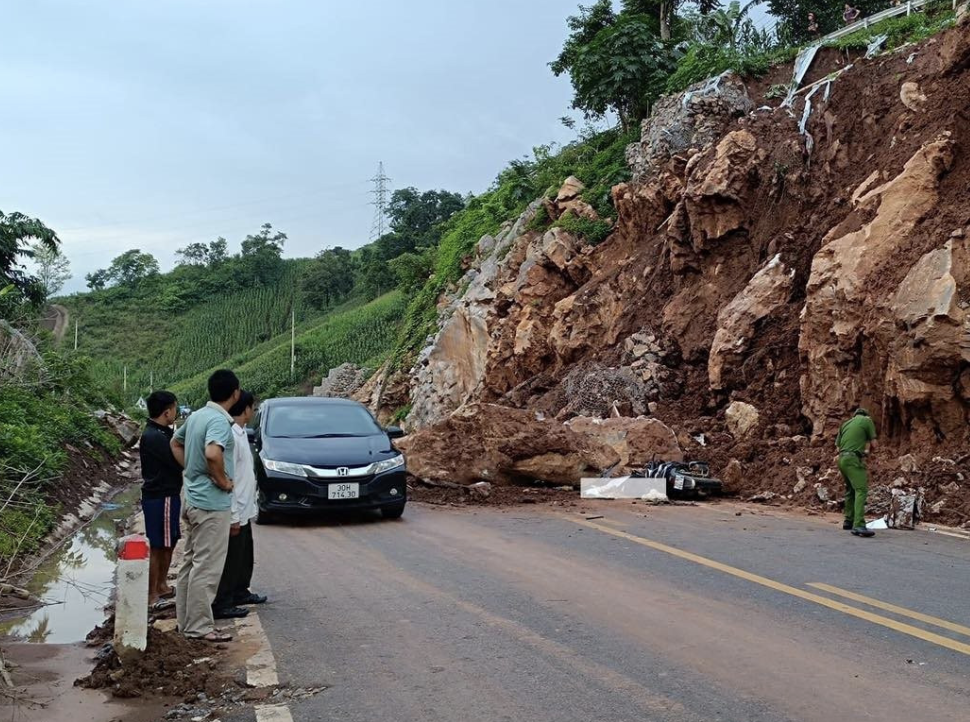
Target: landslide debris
(171, 666)
(769, 270)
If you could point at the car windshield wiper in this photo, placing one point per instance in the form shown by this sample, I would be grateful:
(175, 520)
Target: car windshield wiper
(328, 436)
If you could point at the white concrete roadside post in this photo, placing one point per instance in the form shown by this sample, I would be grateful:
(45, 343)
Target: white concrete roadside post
(131, 607)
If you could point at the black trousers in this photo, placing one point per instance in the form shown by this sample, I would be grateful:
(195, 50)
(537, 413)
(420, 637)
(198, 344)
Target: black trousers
(237, 573)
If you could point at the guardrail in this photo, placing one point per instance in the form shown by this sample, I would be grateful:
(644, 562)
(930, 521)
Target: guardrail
(891, 12)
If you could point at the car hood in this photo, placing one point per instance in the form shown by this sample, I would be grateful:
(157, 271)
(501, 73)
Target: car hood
(339, 451)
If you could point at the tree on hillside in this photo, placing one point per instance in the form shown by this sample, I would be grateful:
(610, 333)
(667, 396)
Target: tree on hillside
(98, 280)
(20, 235)
(413, 269)
(203, 254)
(617, 62)
(194, 254)
(129, 269)
(417, 214)
(132, 267)
(329, 278)
(373, 276)
(623, 70)
(261, 261)
(53, 268)
(218, 251)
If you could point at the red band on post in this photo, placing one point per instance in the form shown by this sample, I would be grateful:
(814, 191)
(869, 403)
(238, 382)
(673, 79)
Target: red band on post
(133, 548)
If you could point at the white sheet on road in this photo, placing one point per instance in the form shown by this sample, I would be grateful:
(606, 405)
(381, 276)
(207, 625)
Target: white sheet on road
(623, 487)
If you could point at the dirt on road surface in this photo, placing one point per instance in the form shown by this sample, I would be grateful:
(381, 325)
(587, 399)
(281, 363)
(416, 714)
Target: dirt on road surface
(697, 613)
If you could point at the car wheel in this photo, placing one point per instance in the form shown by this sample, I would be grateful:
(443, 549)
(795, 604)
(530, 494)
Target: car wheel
(263, 517)
(392, 512)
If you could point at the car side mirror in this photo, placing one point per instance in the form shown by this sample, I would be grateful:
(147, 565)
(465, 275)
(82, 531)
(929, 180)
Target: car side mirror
(394, 432)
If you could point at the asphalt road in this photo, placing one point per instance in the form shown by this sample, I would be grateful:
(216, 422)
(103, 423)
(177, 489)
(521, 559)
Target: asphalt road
(677, 613)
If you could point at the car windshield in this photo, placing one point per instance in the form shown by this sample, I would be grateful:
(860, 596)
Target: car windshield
(309, 421)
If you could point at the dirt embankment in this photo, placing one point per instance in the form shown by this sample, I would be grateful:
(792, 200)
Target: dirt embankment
(772, 272)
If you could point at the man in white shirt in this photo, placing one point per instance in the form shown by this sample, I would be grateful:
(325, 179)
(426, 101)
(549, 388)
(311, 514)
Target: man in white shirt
(234, 592)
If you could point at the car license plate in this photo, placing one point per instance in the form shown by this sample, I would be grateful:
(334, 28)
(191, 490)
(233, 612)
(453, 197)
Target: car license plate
(679, 483)
(343, 491)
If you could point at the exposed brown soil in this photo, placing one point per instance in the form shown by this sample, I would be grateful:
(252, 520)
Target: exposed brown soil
(86, 469)
(172, 666)
(690, 239)
(865, 118)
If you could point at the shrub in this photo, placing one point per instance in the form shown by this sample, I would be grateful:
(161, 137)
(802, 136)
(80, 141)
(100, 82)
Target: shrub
(702, 61)
(594, 231)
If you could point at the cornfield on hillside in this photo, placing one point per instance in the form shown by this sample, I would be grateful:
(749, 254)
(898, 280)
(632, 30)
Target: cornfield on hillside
(160, 349)
(364, 335)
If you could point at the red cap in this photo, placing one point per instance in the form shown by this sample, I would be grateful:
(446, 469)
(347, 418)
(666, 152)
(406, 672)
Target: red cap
(133, 547)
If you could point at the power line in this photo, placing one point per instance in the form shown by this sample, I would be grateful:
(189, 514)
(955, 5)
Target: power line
(380, 182)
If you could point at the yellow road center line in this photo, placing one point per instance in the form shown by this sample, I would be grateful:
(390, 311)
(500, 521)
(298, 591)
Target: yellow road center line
(838, 606)
(902, 611)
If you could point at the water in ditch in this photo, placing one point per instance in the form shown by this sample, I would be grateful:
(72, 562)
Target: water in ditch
(76, 581)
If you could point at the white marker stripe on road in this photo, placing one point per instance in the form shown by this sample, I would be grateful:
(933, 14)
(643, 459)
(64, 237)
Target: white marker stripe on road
(261, 666)
(274, 713)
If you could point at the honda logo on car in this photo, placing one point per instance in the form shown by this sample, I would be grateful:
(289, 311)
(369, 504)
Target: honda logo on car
(343, 471)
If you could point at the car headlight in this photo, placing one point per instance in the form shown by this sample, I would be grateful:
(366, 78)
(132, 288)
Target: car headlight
(284, 467)
(379, 467)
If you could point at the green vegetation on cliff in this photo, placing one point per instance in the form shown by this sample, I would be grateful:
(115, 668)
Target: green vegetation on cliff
(597, 159)
(48, 408)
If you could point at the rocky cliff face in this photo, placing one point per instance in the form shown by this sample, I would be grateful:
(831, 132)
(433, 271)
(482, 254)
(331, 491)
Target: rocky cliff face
(789, 273)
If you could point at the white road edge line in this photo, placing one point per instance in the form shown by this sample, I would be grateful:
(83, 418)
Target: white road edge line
(261, 666)
(273, 713)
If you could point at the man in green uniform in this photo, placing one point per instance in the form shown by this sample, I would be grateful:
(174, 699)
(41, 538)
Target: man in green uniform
(857, 437)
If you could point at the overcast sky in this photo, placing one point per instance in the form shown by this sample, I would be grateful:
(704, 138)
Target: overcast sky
(155, 124)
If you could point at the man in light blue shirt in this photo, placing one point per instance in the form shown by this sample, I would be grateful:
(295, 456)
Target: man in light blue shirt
(204, 447)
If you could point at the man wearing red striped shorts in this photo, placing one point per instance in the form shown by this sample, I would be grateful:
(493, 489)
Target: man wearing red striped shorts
(160, 493)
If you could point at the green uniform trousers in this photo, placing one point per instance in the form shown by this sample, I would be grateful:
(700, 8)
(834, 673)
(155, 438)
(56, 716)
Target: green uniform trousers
(856, 489)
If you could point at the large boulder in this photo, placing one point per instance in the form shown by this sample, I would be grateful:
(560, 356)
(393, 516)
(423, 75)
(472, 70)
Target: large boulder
(450, 370)
(714, 202)
(767, 292)
(637, 441)
(486, 442)
(851, 315)
(125, 428)
(932, 342)
(742, 419)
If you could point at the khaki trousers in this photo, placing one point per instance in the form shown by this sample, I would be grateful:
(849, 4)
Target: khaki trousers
(206, 541)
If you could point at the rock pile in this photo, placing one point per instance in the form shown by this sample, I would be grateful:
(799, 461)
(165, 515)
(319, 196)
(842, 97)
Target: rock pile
(693, 119)
(343, 381)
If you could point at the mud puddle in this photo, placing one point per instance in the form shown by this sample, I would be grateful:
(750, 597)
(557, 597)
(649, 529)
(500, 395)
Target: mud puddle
(77, 580)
